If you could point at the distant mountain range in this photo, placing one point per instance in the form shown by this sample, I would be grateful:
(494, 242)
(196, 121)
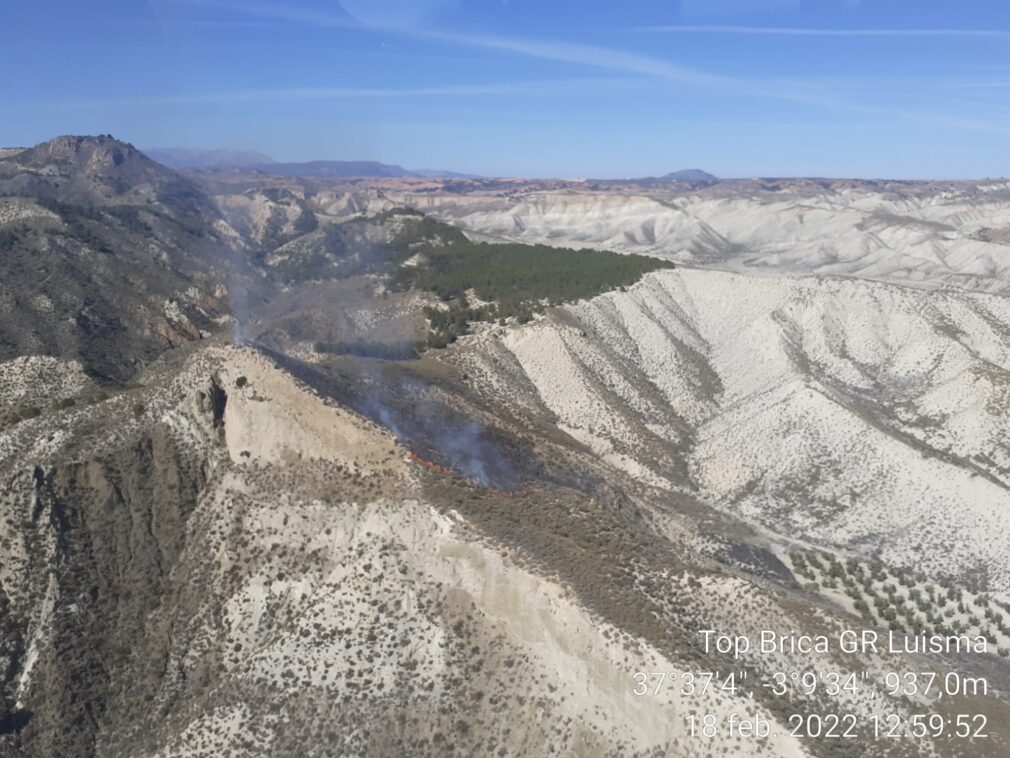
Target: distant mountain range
(208, 160)
(694, 177)
(690, 175)
(340, 169)
(184, 157)
(181, 158)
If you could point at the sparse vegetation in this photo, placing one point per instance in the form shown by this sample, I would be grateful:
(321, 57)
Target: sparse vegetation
(8, 239)
(884, 595)
(392, 351)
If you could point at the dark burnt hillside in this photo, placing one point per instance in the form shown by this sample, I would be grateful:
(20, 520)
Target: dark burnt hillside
(106, 257)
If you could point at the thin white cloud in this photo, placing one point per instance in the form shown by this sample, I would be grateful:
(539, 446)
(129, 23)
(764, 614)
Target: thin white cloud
(530, 88)
(783, 31)
(286, 12)
(633, 63)
(724, 8)
(585, 55)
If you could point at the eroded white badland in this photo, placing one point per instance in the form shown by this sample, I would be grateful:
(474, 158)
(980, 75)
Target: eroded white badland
(952, 236)
(839, 410)
(831, 364)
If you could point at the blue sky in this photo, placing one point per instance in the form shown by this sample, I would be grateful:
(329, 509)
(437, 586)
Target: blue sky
(877, 88)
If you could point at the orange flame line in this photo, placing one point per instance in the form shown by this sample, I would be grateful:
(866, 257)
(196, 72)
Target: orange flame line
(445, 471)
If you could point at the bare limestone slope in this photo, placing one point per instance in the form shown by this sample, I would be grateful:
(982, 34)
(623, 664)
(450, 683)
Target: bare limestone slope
(839, 410)
(293, 590)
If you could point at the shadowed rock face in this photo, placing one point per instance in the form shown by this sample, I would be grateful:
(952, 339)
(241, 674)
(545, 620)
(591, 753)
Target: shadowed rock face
(78, 155)
(91, 170)
(101, 538)
(107, 257)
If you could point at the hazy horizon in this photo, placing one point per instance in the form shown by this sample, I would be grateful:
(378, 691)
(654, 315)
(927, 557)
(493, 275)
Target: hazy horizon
(738, 88)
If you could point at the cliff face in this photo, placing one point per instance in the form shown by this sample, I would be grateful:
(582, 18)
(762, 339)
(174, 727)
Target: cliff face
(123, 539)
(94, 540)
